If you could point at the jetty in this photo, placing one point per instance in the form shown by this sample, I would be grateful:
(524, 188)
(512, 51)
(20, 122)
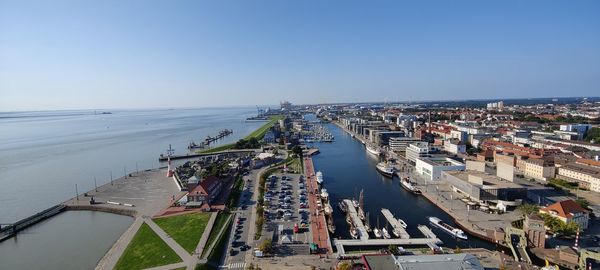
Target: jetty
(9, 230)
(232, 151)
(398, 229)
(358, 224)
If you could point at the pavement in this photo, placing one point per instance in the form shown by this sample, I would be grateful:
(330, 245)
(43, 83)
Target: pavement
(318, 223)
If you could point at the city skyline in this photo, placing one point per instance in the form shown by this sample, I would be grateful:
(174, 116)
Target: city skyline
(76, 55)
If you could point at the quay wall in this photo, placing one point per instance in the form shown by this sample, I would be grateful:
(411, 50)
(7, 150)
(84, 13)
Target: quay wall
(118, 211)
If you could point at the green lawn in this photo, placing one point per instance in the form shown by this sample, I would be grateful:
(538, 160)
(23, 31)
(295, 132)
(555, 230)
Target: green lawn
(146, 250)
(258, 134)
(236, 192)
(217, 252)
(186, 229)
(219, 223)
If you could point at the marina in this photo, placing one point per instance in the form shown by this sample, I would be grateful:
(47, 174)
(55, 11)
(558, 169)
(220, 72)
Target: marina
(206, 143)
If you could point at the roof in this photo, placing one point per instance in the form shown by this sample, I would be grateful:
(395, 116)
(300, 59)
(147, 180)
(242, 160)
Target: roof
(564, 208)
(462, 261)
(204, 186)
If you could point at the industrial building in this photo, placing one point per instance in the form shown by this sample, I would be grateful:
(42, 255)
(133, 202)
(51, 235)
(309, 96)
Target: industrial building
(432, 167)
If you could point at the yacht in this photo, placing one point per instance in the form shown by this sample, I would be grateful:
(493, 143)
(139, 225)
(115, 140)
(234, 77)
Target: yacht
(406, 184)
(319, 177)
(328, 209)
(377, 232)
(324, 194)
(353, 232)
(458, 233)
(373, 150)
(385, 169)
(386, 234)
(355, 203)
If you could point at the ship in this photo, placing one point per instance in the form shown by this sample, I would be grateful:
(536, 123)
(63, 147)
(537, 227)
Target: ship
(385, 169)
(343, 207)
(458, 233)
(406, 184)
(319, 177)
(373, 150)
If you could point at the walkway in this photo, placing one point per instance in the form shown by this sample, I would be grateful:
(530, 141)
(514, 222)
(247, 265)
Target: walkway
(318, 223)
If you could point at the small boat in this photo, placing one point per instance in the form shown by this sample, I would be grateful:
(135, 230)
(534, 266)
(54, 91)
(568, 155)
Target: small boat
(458, 233)
(355, 203)
(354, 233)
(328, 210)
(348, 219)
(352, 135)
(371, 149)
(385, 169)
(406, 184)
(342, 206)
(324, 194)
(402, 223)
(377, 233)
(331, 227)
(319, 177)
(386, 234)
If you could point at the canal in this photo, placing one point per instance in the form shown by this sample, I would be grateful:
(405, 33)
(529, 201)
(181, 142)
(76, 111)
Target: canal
(347, 169)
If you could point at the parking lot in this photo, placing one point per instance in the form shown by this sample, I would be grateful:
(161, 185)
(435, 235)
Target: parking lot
(287, 210)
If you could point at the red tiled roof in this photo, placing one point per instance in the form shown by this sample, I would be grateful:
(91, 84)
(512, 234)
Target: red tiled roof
(564, 208)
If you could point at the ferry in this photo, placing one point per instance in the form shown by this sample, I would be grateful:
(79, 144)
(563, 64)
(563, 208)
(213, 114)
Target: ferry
(373, 150)
(319, 177)
(342, 206)
(385, 169)
(406, 184)
(458, 233)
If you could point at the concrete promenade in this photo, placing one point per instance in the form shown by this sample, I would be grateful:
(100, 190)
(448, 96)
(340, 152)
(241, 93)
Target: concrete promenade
(318, 223)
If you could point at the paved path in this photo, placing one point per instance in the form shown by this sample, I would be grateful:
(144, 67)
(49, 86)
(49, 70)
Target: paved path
(202, 243)
(318, 223)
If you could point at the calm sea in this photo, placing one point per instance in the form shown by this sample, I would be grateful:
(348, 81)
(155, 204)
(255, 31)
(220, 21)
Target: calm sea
(44, 154)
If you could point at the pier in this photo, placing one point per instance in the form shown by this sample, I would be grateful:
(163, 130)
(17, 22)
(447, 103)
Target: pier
(398, 229)
(340, 244)
(234, 151)
(362, 231)
(318, 227)
(9, 230)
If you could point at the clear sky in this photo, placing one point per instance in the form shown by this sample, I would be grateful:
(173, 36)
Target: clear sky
(131, 54)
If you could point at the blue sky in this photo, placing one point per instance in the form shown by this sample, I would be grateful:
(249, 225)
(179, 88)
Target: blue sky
(139, 54)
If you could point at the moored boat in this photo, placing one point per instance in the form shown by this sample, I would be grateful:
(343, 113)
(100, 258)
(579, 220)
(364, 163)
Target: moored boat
(319, 177)
(458, 233)
(386, 234)
(324, 194)
(406, 184)
(385, 169)
(371, 149)
(377, 233)
(354, 232)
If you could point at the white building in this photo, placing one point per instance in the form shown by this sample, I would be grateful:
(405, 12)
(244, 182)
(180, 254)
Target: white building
(431, 168)
(400, 144)
(416, 150)
(455, 147)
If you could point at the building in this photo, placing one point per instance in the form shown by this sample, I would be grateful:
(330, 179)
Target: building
(383, 137)
(579, 129)
(432, 167)
(399, 144)
(417, 150)
(455, 147)
(567, 211)
(461, 261)
(535, 231)
(460, 135)
(495, 105)
(539, 168)
(205, 193)
(582, 172)
(484, 187)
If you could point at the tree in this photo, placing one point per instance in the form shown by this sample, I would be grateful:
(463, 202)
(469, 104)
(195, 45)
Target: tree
(344, 266)
(297, 150)
(250, 267)
(392, 249)
(266, 246)
(457, 250)
(527, 209)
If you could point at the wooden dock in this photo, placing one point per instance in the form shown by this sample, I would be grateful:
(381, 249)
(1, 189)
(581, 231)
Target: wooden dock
(398, 229)
(362, 231)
